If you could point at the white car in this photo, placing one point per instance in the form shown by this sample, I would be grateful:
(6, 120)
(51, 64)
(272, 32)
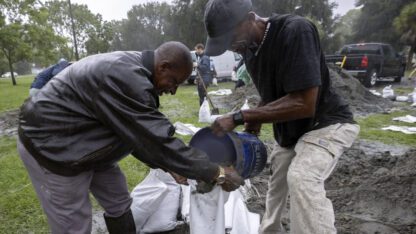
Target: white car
(9, 74)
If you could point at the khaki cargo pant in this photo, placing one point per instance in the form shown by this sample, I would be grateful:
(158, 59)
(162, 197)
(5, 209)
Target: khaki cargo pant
(300, 172)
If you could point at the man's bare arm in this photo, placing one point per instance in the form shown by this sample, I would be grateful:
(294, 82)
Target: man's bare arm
(296, 105)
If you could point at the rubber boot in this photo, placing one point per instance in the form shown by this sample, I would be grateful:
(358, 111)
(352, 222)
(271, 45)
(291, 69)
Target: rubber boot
(121, 225)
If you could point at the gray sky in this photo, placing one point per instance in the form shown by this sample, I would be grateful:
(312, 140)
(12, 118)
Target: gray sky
(118, 9)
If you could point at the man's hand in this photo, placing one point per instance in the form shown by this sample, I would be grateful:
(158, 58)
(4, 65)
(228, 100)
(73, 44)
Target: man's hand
(252, 128)
(232, 180)
(223, 124)
(178, 178)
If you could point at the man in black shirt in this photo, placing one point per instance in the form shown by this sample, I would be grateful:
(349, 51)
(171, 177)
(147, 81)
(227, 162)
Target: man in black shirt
(312, 125)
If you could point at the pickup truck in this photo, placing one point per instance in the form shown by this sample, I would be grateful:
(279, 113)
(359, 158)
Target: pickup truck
(370, 62)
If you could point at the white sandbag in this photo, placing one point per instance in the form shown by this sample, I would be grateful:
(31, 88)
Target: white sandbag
(216, 211)
(207, 211)
(402, 98)
(406, 119)
(414, 97)
(221, 92)
(204, 112)
(164, 218)
(146, 198)
(238, 220)
(388, 92)
(215, 81)
(245, 106)
(185, 201)
(185, 129)
(403, 129)
(373, 91)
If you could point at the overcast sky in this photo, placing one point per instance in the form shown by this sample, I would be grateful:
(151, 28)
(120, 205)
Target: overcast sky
(118, 9)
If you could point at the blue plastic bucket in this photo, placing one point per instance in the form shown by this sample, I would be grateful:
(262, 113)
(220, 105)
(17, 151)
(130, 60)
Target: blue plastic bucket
(242, 150)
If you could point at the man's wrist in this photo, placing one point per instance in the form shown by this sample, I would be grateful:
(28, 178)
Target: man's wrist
(238, 118)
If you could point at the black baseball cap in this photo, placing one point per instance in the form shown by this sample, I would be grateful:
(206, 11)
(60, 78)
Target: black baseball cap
(221, 17)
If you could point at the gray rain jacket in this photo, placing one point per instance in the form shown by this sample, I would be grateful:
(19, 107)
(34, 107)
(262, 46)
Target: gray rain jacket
(99, 110)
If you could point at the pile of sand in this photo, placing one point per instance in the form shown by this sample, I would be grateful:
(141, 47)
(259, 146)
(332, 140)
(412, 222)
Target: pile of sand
(373, 191)
(362, 102)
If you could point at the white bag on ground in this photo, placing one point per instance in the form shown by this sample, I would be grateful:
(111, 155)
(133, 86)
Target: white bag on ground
(146, 198)
(214, 81)
(388, 92)
(237, 217)
(204, 112)
(185, 129)
(216, 211)
(155, 202)
(414, 97)
(207, 211)
(164, 218)
(245, 106)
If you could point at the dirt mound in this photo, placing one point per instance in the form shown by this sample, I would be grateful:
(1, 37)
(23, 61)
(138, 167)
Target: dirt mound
(362, 102)
(8, 123)
(235, 100)
(372, 191)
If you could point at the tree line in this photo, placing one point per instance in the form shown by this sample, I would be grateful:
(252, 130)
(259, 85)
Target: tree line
(36, 32)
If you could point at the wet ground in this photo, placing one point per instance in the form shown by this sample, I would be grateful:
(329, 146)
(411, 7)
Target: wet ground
(373, 190)
(373, 187)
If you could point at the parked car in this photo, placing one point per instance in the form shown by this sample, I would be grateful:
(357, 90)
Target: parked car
(223, 64)
(9, 74)
(370, 62)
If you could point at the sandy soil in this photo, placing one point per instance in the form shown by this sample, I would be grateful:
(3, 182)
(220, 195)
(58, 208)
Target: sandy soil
(373, 187)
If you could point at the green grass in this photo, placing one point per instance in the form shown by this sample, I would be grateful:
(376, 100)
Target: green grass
(12, 97)
(20, 210)
(403, 91)
(19, 207)
(371, 129)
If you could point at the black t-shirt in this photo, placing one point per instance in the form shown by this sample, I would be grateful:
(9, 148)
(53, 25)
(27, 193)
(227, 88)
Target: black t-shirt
(290, 59)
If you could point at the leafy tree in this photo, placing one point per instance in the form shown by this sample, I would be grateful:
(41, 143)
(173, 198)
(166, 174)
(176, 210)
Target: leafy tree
(99, 37)
(405, 25)
(24, 33)
(187, 22)
(343, 29)
(145, 27)
(13, 33)
(375, 23)
(86, 24)
(318, 11)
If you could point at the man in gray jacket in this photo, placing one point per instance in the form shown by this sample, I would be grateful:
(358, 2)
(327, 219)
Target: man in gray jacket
(91, 115)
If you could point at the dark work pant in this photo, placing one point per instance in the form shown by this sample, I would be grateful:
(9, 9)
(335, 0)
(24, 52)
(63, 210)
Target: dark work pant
(65, 200)
(201, 91)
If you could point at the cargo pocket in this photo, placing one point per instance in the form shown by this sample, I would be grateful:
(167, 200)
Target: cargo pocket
(323, 143)
(315, 158)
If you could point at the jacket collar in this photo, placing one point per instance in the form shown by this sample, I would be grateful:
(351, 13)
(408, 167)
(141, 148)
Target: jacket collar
(149, 62)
